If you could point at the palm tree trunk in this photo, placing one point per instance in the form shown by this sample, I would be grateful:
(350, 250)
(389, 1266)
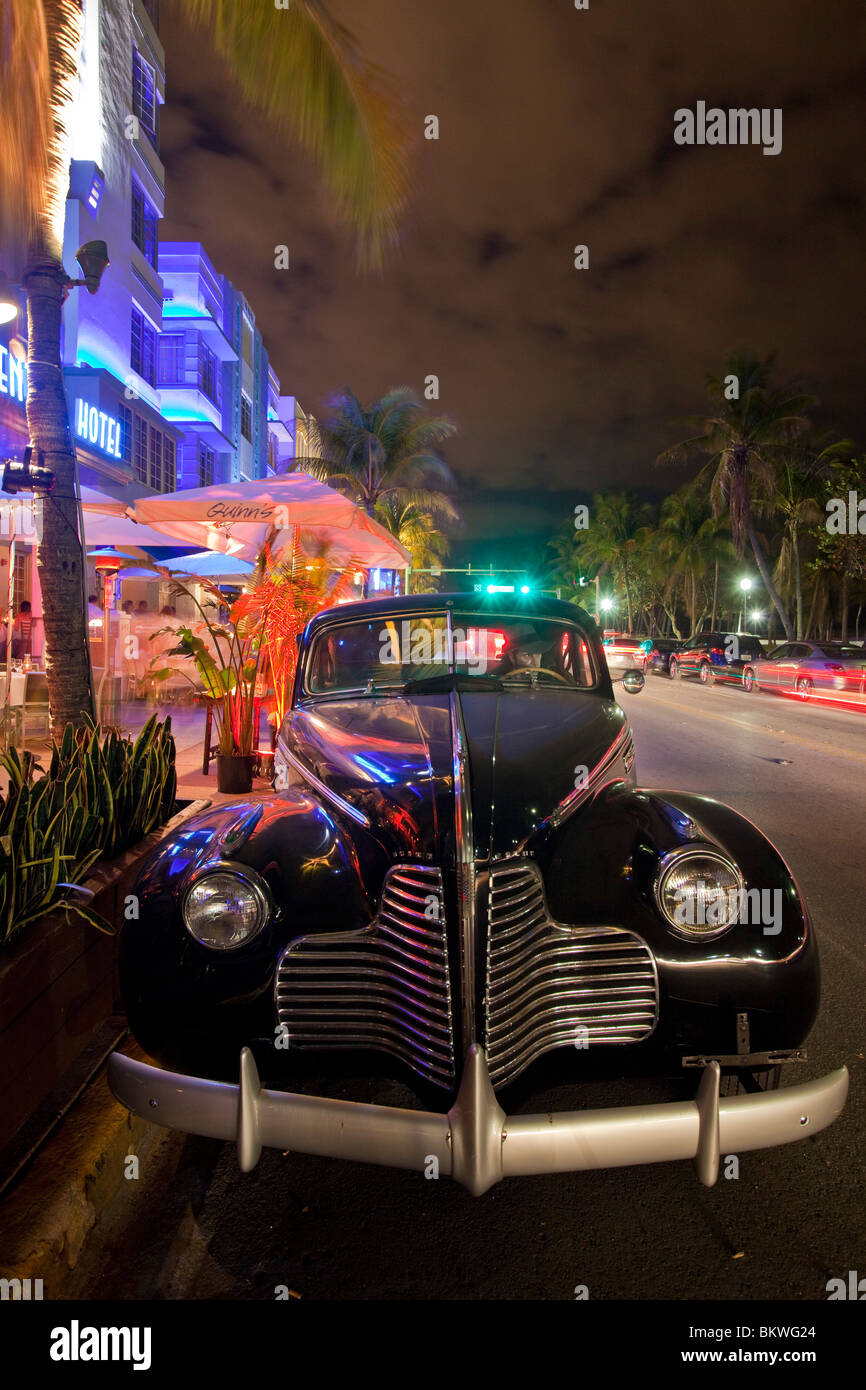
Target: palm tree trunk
(59, 555)
(693, 602)
(625, 585)
(715, 598)
(798, 580)
(812, 606)
(843, 607)
(765, 576)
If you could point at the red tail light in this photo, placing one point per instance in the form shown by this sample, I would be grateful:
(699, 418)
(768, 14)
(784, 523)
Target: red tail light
(717, 651)
(833, 666)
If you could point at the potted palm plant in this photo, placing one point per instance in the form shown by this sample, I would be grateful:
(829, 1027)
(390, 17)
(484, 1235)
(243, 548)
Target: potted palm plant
(226, 657)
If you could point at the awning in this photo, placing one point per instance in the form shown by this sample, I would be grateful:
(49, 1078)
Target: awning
(235, 518)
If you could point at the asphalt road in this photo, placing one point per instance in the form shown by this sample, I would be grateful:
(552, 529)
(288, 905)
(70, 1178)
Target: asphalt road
(795, 1217)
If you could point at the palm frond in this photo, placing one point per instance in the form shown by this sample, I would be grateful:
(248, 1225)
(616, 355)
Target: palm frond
(304, 70)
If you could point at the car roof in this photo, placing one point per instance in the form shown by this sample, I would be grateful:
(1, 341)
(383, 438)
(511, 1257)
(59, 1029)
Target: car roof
(501, 605)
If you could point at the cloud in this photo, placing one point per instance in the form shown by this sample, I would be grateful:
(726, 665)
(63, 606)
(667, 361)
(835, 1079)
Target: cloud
(556, 128)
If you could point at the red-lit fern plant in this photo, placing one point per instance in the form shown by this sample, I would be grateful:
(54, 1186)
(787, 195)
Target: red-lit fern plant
(283, 593)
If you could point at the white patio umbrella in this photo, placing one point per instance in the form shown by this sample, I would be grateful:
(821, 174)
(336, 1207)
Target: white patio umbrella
(120, 530)
(207, 564)
(235, 518)
(94, 501)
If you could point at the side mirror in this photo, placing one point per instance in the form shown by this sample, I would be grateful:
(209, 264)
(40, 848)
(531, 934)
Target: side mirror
(632, 681)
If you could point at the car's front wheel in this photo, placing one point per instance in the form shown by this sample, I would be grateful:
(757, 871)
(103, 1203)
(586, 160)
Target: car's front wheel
(674, 669)
(804, 687)
(749, 682)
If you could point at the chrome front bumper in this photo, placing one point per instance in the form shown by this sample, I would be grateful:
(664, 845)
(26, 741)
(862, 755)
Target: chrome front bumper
(476, 1143)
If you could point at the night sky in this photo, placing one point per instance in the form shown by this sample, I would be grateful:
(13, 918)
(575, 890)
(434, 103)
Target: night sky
(556, 129)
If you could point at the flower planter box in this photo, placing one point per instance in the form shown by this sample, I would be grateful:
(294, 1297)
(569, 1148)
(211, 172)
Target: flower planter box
(58, 987)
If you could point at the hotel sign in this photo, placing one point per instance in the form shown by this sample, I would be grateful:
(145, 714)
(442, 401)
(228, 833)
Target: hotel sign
(95, 427)
(92, 425)
(13, 375)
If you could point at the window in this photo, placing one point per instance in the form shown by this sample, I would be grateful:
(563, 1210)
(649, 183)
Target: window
(23, 571)
(206, 465)
(155, 476)
(144, 96)
(171, 355)
(124, 415)
(208, 372)
(142, 355)
(246, 417)
(169, 464)
(139, 436)
(144, 223)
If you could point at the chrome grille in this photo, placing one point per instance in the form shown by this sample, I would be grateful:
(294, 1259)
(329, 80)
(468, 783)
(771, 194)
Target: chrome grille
(386, 987)
(546, 981)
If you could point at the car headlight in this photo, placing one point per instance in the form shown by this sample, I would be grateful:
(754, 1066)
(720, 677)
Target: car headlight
(699, 890)
(226, 907)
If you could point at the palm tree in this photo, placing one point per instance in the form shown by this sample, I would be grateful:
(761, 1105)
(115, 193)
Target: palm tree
(38, 56)
(610, 542)
(304, 72)
(418, 532)
(742, 439)
(385, 452)
(797, 500)
(841, 553)
(688, 538)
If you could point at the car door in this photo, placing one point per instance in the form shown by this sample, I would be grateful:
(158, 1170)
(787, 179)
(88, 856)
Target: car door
(788, 665)
(688, 657)
(768, 670)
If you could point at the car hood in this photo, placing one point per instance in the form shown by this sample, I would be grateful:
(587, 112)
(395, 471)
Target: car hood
(392, 757)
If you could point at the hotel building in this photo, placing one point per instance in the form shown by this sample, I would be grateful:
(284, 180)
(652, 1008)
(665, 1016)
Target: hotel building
(167, 378)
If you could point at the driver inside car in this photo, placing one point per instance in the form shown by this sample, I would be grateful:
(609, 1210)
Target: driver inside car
(528, 652)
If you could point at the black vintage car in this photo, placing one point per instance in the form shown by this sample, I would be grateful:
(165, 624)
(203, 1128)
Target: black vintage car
(459, 881)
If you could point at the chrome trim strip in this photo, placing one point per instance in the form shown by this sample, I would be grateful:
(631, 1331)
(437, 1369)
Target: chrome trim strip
(323, 789)
(476, 1143)
(466, 874)
(575, 799)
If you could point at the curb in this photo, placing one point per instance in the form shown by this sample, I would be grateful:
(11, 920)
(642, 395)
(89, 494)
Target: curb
(47, 1217)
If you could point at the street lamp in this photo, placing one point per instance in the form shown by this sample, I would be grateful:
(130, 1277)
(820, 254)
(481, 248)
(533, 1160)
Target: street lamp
(8, 305)
(745, 589)
(93, 259)
(757, 617)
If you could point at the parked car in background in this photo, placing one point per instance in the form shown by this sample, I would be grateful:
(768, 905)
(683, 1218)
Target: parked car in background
(626, 651)
(716, 656)
(459, 878)
(810, 668)
(660, 653)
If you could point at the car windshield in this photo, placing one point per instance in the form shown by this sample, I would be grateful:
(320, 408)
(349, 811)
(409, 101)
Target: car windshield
(479, 650)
